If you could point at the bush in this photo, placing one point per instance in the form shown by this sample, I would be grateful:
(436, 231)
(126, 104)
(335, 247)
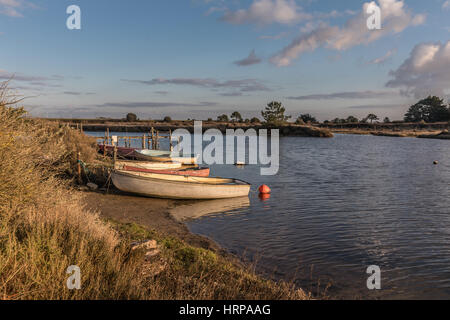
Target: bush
(223, 118)
(131, 117)
(300, 121)
(167, 119)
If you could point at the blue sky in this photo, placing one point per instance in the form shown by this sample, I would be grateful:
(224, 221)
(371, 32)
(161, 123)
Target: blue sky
(201, 58)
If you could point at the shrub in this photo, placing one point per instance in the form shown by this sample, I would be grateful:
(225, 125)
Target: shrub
(223, 118)
(299, 121)
(131, 117)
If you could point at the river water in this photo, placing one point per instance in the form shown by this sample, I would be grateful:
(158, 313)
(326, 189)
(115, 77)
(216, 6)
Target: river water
(337, 207)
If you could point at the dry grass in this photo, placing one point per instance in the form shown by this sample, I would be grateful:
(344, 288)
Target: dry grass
(187, 272)
(43, 226)
(44, 229)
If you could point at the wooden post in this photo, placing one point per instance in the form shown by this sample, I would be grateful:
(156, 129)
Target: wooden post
(115, 156)
(81, 127)
(157, 140)
(153, 139)
(80, 181)
(143, 141)
(170, 140)
(107, 135)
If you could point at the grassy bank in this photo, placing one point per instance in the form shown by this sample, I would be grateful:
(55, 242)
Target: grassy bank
(393, 129)
(45, 228)
(289, 129)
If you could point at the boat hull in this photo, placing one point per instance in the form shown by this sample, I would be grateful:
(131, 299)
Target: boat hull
(163, 157)
(179, 187)
(195, 172)
(148, 165)
(127, 153)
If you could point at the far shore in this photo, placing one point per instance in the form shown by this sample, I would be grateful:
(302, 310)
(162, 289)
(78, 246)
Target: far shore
(437, 130)
(290, 129)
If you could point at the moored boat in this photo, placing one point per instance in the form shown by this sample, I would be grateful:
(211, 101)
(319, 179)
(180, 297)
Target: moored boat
(148, 165)
(123, 152)
(164, 156)
(178, 187)
(194, 172)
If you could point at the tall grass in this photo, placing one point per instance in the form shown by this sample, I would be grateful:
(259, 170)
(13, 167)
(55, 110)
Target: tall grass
(43, 226)
(44, 229)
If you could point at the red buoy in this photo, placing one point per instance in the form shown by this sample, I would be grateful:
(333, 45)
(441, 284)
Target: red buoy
(264, 189)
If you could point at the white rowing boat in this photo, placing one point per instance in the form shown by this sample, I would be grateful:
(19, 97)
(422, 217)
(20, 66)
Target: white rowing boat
(147, 165)
(165, 156)
(178, 187)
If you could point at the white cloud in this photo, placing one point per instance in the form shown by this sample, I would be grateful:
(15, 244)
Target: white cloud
(384, 58)
(267, 12)
(348, 95)
(13, 8)
(425, 72)
(244, 85)
(395, 18)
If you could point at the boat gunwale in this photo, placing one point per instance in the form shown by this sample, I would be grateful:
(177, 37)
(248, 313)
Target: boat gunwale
(241, 183)
(165, 154)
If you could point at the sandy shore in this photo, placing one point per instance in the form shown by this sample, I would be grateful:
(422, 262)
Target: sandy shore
(148, 212)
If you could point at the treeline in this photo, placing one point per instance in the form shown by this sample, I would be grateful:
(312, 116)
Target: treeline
(428, 110)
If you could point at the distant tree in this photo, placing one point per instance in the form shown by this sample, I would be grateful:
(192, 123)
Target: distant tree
(351, 119)
(336, 120)
(131, 117)
(431, 109)
(387, 120)
(210, 120)
(236, 117)
(247, 120)
(274, 114)
(372, 117)
(326, 122)
(167, 119)
(300, 121)
(308, 118)
(223, 118)
(255, 120)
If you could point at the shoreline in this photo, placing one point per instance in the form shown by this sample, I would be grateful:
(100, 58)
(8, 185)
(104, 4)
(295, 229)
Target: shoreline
(436, 134)
(146, 126)
(151, 213)
(119, 208)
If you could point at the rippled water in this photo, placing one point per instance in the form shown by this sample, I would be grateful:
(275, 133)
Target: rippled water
(338, 206)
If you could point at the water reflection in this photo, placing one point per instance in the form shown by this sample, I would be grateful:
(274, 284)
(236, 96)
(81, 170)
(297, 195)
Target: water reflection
(199, 209)
(264, 196)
